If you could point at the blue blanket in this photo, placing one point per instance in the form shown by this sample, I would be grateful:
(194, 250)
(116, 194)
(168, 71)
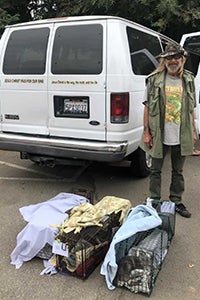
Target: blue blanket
(139, 218)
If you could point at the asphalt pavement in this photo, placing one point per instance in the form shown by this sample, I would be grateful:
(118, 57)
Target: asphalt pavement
(23, 183)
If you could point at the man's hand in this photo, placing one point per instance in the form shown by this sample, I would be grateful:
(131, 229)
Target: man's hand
(148, 139)
(194, 136)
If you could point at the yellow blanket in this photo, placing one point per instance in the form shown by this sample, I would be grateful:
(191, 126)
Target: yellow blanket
(88, 214)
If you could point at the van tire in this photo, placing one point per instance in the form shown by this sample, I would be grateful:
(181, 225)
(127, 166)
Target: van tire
(140, 164)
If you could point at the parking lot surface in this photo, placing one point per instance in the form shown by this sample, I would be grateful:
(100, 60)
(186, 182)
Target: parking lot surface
(23, 183)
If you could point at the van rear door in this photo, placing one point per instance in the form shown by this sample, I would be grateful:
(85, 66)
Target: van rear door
(24, 106)
(191, 43)
(77, 81)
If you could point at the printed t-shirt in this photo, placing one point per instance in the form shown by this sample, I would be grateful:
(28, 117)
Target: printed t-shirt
(173, 94)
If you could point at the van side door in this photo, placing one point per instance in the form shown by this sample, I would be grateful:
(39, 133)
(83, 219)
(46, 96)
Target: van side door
(24, 106)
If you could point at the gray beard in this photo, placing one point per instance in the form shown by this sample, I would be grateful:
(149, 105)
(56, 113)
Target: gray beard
(173, 69)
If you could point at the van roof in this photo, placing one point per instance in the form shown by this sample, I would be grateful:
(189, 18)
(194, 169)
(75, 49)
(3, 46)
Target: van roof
(72, 19)
(85, 18)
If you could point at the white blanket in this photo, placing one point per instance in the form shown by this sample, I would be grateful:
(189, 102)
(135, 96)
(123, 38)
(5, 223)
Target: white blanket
(38, 231)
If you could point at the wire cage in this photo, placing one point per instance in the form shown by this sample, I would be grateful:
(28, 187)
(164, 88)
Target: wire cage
(168, 223)
(45, 252)
(139, 260)
(166, 211)
(87, 248)
(140, 257)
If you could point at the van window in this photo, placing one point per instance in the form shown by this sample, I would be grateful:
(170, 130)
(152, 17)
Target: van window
(78, 50)
(26, 52)
(192, 45)
(143, 51)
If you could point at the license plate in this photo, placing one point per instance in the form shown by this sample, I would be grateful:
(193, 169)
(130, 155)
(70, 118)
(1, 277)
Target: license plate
(71, 107)
(79, 106)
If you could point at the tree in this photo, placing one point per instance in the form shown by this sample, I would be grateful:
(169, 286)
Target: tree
(175, 17)
(170, 17)
(42, 9)
(6, 18)
(17, 8)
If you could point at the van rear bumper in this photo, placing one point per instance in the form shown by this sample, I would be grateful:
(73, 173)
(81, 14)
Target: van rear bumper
(64, 148)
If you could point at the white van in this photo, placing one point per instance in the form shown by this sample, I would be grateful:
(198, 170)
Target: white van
(72, 88)
(191, 43)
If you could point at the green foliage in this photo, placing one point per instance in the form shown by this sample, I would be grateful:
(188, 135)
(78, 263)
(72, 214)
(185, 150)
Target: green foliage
(171, 17)
(6, 18)
(42, 9)
(12, 12)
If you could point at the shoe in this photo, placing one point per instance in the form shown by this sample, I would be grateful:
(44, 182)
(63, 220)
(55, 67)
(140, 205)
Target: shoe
(196, 152)
(182, 210)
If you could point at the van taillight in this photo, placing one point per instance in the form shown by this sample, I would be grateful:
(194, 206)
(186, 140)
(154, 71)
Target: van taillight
(119, 107)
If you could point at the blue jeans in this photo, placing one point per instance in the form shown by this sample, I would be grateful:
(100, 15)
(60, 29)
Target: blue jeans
(177, 179)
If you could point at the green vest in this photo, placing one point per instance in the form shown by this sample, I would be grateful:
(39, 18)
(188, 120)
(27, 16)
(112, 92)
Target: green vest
(156, 105)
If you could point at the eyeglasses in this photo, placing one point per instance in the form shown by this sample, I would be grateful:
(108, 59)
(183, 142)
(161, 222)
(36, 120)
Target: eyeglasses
(175, 56)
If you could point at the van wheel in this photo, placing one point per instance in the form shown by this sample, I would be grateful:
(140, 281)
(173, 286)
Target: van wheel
(140, 164)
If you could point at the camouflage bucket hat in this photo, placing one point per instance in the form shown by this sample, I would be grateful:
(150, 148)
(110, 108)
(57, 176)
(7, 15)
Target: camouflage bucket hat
(172, 49)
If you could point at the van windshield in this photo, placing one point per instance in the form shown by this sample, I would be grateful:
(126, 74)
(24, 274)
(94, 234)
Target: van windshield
(78, 50)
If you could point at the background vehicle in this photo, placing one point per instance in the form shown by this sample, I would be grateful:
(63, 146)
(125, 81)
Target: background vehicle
(191, 43)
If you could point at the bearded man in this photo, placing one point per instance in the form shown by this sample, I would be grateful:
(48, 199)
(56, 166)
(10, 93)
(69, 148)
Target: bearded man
(169, 122)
